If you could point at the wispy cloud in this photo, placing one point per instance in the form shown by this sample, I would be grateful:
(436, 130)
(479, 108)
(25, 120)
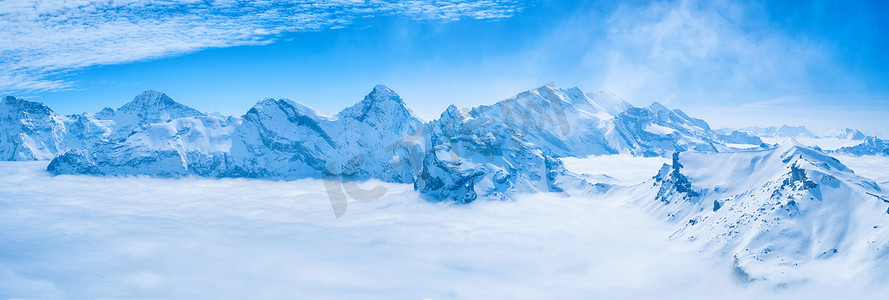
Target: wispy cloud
(40, 40)
(705, 49)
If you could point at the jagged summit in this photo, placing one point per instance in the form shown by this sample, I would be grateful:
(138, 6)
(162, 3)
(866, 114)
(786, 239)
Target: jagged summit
(382, 104)
(18, 106)
(381, 92)
(149, 107)
(149, 98)
(153, 105)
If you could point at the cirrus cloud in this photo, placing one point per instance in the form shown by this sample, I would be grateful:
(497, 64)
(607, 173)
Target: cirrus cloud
(41, 40)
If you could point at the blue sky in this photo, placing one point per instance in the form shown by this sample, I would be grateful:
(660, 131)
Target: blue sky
(821, 64)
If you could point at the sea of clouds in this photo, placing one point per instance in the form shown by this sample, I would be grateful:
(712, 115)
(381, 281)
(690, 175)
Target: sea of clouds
(99, 237)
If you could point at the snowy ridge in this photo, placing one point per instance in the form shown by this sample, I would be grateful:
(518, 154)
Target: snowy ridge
(770, 210)
(657, 131)
(514, 145)
(176, 148)
(33, 131)
(476, 156)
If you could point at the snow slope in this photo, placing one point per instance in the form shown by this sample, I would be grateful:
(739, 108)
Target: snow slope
(774, 212)
(657, 131)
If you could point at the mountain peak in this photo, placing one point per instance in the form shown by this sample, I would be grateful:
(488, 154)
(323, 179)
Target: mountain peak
(382, 92)
(153, 106)
(852, 134)
(18, 105)
(790, 143)
(148, 98)
(381, 102)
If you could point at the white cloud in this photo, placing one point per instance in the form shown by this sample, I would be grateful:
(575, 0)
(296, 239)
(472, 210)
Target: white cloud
(89, 237)
(41, 39)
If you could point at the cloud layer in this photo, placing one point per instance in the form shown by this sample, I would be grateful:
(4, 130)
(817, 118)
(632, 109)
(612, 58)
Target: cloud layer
(104, 237)
(43, 39)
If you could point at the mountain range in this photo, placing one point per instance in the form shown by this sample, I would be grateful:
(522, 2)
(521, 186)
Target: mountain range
(768, 207)
(491, 151)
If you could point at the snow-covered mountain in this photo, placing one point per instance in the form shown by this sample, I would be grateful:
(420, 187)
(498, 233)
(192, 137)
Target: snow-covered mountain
(513, 145)
(489, 151)
(29, 130)
(770, 210)
(657, 131)
(870, 145)
(174, 148)
(841, 141)
(34, 132)
(854, 142)
(849, 134)
(150, 107)
(476, 155)
(275, 139)
(379, 137)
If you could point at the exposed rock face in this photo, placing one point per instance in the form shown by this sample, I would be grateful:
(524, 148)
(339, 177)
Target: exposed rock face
(475, 157)
(29, 130)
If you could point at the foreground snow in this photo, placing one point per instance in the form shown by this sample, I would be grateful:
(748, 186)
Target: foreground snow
(94, 237)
